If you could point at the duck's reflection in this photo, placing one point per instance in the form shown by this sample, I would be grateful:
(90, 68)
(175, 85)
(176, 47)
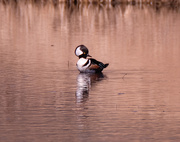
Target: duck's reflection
(84, 83)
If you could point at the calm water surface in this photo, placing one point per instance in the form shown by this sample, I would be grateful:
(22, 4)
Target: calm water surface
(44, 98)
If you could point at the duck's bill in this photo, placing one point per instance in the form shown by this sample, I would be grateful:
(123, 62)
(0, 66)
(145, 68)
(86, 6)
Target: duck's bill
(89, 55)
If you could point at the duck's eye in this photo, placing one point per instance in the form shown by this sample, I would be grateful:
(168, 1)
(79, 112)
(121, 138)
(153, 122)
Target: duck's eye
(84, 53)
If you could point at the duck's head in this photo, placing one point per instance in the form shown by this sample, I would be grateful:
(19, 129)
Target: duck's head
(81, 51)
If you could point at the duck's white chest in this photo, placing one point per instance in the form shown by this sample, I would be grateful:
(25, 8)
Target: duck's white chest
(83, 64)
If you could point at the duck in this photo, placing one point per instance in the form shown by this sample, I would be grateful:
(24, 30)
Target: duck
(86, 63)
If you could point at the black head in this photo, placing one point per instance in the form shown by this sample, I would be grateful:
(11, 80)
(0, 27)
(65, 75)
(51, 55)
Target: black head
(81, 51)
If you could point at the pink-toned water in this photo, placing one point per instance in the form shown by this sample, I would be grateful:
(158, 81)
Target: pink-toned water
(44, 98)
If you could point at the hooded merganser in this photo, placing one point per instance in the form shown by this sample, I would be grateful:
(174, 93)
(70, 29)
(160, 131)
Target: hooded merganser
(85, 64)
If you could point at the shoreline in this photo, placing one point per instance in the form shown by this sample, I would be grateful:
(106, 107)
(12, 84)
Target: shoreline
(174, 4)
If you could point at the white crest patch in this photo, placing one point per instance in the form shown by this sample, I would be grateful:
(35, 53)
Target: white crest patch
(78, 51)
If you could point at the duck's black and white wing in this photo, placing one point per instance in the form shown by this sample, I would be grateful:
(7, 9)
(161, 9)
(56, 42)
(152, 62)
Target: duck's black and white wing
(96, 65)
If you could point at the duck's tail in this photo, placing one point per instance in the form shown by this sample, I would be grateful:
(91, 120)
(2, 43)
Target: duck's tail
(105, 65)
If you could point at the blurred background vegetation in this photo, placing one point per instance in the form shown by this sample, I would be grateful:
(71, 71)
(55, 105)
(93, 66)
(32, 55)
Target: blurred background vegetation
(157, 3)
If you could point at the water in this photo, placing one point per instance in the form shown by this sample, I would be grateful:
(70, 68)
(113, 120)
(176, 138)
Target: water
(44, 97)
